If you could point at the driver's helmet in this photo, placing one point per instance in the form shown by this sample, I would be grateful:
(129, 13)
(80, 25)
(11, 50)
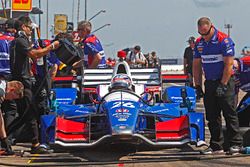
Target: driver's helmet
(121, 81)
(246, 51)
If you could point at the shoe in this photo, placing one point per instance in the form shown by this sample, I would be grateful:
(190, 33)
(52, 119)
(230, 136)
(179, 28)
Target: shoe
(7, 152)
(209, 151)
(47, 147)
(6, 147)
(39, 150)
(234, 150)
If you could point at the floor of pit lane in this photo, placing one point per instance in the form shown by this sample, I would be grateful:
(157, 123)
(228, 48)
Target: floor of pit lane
(123, 156)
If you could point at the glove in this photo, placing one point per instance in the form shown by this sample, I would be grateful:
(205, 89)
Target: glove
(221, 90)
(199, 91)
(43, 93)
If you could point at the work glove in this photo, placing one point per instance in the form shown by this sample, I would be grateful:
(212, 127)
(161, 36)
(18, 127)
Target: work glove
(199, 92)
(221, 90)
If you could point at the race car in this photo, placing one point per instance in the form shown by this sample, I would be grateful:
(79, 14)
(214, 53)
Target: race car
(124, 111)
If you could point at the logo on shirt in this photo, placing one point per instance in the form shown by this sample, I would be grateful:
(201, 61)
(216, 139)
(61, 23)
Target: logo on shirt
(200, 49)
(226, 41)
(211, 58)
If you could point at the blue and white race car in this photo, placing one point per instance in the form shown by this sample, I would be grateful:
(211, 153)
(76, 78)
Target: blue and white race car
(124, 110)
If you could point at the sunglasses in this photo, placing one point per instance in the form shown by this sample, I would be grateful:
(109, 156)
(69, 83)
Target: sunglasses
(29, 26)
(80, 29)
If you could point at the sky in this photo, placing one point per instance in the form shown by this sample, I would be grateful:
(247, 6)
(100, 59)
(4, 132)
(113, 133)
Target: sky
(156, 25)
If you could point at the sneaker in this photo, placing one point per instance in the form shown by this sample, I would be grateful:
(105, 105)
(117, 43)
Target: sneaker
(39, 150)
(47, 147)
(234, 150)
(209, 151)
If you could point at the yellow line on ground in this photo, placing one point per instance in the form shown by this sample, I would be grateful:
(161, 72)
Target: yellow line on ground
(33, 158)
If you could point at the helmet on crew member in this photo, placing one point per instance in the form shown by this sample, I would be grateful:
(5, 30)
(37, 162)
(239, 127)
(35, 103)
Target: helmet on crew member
(121, 81)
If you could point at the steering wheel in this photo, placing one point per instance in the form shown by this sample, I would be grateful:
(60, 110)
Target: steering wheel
(93, 100)
(130, 92)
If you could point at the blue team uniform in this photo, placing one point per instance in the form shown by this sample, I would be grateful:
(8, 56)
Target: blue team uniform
(212, 53)
(243, 76)
(4, 54)
(92, 46)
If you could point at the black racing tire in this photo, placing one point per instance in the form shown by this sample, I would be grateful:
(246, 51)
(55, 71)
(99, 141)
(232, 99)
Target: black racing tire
(244, 117)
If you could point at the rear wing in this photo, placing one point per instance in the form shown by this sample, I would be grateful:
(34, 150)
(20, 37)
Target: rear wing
(94, 77)
(91, 78)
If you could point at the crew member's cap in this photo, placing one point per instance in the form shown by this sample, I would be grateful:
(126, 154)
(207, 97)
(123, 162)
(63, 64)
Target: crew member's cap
(121, 54)
(10, 23)
(191, 39)
(137, 47)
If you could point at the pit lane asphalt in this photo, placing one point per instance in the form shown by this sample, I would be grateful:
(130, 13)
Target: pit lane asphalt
(124, 156)
(187, 156)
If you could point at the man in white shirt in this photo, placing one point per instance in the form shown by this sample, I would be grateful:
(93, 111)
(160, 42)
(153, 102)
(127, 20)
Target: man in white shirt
(136, 59)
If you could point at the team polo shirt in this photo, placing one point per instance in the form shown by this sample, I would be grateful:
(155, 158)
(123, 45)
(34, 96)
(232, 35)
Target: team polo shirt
(92, 46)
(5, 40)
(244, 74)
(212, 53)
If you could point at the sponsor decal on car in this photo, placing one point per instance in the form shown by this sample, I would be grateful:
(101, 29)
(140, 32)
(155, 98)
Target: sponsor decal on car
(121, 116)
(122, 110)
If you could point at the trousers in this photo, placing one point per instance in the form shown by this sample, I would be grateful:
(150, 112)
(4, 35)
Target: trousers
(214, 106)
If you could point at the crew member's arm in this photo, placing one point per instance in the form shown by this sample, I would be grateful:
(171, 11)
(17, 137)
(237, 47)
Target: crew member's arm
(157, 61)
(227, 71)
(143, 60)
(33, 53)
(197, 71)
(146, 61)
(185, 65)
(96, 61)
(129, 57)
(91, 49)
(228, 59)
(78, 64)
(53, 71)
(185, 61)
(140, 59)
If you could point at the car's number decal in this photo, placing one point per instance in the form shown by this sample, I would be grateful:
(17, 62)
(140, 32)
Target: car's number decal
(124, 104)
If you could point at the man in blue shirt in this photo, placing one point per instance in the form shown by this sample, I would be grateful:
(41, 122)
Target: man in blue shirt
(94, 56)
(214, 52)
(8, 106)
